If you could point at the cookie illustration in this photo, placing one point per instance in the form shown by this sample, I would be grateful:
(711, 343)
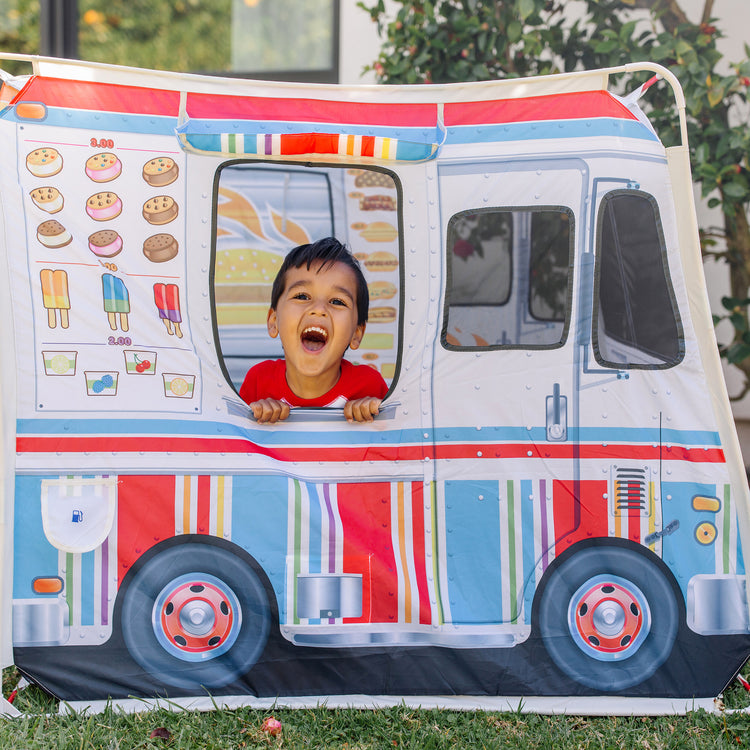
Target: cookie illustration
(160, 210)
(44, 162)
(52, 233)
(160, 171)
(103, 167)
(49, 199)
(105, 243)
(104, 206)
(160, 248)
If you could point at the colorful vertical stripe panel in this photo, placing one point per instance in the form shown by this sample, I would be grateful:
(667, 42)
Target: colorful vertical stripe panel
(378, 531)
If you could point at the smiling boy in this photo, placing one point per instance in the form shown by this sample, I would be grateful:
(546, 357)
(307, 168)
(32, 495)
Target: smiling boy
(319, 309)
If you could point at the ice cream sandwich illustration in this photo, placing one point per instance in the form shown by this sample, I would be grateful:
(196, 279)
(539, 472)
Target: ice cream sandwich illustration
(106, 243)
(371, 178)
(385, 314)
(376, 203)
(55, 296)
(381, 290)
(160, 210)
(160, 248)
(160, 171)
(116, 301)
(52, 233)
(381, 261)
(167, 300)
(103, 167)
(379, 231)
(48, 199)
(104, 206)
(44, 162)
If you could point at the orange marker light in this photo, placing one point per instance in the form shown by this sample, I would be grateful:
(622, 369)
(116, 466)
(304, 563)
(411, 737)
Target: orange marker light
(712, 504)
(51, 585)
(31, 111)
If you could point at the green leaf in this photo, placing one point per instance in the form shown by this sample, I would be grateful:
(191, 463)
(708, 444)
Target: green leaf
(734, 190)
(515, 30)
(525, 8)
(737, 352)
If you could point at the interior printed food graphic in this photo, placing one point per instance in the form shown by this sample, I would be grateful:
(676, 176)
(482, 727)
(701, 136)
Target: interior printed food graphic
(551, 502)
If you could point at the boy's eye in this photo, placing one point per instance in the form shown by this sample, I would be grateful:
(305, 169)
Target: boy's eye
(301, 295)
(337, 301)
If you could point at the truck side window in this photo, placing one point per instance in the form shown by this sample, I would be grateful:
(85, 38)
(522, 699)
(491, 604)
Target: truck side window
(636, 323)
(509, 278)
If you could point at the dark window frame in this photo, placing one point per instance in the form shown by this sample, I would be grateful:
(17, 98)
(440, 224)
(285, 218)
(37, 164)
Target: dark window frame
(566, 322)
(680, 336)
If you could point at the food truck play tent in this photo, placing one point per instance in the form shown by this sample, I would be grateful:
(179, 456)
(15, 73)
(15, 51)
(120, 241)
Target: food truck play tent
(550, 510)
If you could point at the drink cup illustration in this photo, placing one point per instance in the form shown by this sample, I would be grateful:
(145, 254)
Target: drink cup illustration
(59, 363)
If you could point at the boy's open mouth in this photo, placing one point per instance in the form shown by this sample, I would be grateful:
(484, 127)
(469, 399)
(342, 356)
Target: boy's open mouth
(314, 338)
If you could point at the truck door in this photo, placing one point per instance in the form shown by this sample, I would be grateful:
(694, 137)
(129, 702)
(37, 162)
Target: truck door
(503, 377)
(631, 351)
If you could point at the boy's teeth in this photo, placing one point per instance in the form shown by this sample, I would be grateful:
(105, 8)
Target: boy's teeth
(315, 329)
(314, 338)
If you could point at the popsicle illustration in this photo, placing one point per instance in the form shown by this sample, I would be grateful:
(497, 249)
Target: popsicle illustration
(116, 301)
(55, 295)
(167, 299)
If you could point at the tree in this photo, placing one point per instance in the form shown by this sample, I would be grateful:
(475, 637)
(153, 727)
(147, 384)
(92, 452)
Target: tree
(441, 41)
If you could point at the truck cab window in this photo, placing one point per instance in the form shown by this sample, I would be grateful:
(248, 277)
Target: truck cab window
(636, 323)
(261, 211)
(509, 278)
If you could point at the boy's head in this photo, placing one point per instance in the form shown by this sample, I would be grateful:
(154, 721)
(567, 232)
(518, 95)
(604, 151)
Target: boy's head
(319, 305)
(323, 253)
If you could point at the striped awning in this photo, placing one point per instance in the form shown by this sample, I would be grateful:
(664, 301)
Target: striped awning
(310, 145)
(278, 127)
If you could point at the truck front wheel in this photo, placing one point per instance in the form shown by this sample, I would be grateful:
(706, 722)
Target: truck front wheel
(608, 617)
(195, 615)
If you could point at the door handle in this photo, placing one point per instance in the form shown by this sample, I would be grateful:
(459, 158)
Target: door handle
(557, 416)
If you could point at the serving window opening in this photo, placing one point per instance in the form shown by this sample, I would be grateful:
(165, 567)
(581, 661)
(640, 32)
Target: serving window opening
(509, 278)
(262, 210)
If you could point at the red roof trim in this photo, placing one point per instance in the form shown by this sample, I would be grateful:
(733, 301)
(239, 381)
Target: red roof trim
(571, 106)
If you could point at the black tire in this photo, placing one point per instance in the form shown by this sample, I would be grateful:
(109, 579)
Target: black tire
(195, 615)
(608, 617)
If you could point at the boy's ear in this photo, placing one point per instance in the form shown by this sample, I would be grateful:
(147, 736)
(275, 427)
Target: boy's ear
(273, 328)
(357, 337)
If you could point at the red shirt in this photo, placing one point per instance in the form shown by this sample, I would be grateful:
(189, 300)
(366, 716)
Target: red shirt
(268, 380)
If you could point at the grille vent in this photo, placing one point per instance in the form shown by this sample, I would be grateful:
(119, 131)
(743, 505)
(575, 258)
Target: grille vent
(630, 494)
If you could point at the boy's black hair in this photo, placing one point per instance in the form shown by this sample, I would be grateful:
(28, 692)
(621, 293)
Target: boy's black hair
(328, 251)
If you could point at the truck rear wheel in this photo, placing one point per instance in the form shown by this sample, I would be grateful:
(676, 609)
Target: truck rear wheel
(608, 617)
(195, 615)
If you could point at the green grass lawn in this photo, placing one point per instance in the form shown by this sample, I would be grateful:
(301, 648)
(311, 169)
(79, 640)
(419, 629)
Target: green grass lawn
(42, 727)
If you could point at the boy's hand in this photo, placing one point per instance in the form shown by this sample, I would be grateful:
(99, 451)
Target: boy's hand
(269, 410)
(362, 409)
